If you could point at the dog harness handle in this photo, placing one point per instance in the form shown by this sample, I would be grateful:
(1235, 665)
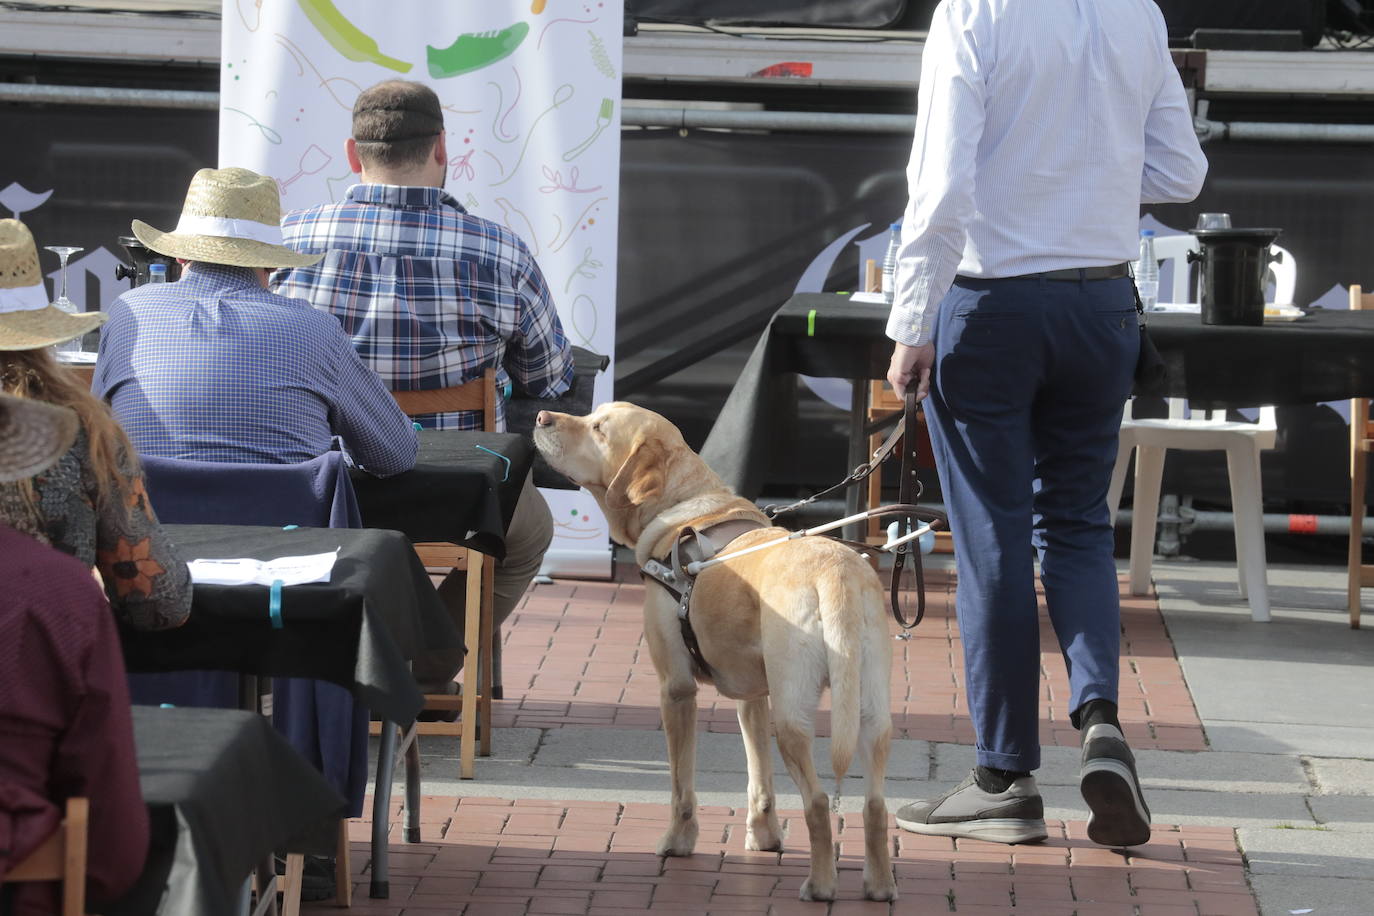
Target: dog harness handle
(908, 491)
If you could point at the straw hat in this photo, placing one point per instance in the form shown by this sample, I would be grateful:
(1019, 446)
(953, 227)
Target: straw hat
(231, 216)
(27, 321)
(32, 436)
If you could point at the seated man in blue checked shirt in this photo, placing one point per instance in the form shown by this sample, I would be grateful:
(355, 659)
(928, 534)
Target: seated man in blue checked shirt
(215, 367)
(430, 294)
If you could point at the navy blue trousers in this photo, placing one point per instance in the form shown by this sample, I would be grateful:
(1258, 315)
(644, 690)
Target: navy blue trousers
(1024, 412)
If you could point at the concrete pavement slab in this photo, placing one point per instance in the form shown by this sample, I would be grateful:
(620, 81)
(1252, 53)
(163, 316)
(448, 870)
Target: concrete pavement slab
(1314, 853)
(1281, 895)
(628, 750)
(1279, 738)
(1263, 774)
(1336, 776)
(1344, 813)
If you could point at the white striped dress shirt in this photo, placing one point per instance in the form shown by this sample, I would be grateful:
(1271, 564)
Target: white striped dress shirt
(1041, 127)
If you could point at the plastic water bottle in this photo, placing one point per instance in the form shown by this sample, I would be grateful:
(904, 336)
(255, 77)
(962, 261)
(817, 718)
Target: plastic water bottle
(1147, 271)
(894, 242)
(157, 273)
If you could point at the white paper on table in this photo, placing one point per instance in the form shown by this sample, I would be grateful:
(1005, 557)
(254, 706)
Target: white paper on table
(1184, 308)
(78, 357)
(867, 297)
(316, 567)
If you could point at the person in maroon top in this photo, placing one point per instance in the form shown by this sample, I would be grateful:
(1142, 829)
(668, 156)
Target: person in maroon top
(65, 726)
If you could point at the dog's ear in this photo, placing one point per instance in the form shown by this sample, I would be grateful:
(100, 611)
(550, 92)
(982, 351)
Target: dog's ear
(641, 477)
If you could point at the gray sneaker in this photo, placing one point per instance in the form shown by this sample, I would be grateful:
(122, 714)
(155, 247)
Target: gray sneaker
(1014, 816)
(1119, 816)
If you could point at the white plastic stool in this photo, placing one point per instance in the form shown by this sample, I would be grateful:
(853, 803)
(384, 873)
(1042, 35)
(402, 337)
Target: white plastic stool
(1242, 443)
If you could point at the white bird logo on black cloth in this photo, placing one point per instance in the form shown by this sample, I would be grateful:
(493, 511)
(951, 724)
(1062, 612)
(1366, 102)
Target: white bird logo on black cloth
(19, 199)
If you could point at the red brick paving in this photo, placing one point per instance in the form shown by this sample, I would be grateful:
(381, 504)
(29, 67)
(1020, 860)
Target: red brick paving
(485, 856)
(575, 655)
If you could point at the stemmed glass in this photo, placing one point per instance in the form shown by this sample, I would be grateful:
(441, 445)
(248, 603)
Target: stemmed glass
(62, 302)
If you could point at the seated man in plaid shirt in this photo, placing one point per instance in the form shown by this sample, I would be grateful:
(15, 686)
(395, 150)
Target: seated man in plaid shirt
(430, 294)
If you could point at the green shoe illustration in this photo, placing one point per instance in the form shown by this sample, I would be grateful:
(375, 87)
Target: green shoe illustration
(475, 50)
(349, 40)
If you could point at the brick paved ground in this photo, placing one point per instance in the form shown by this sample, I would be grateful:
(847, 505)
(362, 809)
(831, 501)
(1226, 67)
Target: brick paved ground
(575, 656)
(490, 856)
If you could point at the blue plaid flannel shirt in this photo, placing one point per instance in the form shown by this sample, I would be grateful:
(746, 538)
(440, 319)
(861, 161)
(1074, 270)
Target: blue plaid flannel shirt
(216, 368)
(430, 294)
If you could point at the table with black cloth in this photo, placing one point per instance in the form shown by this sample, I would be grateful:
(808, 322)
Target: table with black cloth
(1326, 355)
(359, 630)
(224, 791)
(456, 493)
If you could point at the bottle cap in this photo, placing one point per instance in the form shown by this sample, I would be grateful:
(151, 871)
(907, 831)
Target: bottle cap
(895, 226)
(156, 269)
(1147, 233)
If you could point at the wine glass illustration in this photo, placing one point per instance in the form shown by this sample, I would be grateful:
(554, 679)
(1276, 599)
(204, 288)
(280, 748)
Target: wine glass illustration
(64, 252)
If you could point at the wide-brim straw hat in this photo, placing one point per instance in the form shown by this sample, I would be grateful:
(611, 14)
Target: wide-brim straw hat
(27, 321)
(33, 435)
(231, 216)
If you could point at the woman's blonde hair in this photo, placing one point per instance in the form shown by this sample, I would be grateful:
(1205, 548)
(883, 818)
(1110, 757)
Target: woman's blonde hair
(36, 374)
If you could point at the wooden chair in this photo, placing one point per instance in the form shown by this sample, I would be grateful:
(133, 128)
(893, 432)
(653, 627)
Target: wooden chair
(62, 857)
(446, 559)
(1361, 574)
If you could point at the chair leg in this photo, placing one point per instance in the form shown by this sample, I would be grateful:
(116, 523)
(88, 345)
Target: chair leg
(1243, 467)
(472, 638)
(343, 867)
(1123, 460)
(291, 885)
(1149, 471)
(486, 673)
(1359, 469)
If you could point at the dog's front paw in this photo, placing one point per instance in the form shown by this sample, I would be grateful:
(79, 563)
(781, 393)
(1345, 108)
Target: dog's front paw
(881, 890)
(814, 890)
(762, 841)
(679, 842)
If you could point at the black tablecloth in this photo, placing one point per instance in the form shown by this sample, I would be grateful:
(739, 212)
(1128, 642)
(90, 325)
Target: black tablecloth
(577, 400)
(378, 611)
(1327, 355)
(455, 493)
(223, 790)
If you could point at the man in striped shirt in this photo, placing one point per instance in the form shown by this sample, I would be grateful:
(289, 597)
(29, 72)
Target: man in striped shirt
(430, 294)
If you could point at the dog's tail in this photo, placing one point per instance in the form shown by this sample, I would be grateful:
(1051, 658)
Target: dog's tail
(844, 658)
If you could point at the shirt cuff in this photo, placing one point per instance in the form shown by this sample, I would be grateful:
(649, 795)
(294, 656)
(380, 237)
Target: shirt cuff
(911, 326)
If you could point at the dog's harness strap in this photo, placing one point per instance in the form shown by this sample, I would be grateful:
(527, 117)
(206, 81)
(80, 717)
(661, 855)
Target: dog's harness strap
(693, 545)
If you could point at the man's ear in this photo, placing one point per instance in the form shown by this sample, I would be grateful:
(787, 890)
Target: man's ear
(441, 150)
(641, 477)
(351, 154)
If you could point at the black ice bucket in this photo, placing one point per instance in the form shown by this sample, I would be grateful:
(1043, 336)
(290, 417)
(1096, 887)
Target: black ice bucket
(1234, 263)
(142, 256)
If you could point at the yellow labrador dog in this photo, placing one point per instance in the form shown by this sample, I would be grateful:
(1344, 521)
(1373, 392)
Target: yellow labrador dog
(778, 625)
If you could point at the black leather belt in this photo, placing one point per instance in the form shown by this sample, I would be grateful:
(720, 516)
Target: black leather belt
(1110, 272)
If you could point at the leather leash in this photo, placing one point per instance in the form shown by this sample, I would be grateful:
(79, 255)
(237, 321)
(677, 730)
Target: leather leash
(909, 491)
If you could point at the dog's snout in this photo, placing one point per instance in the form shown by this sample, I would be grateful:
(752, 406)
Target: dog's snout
(543, 418)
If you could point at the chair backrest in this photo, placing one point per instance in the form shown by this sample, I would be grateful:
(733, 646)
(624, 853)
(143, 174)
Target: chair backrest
(316, 493)
(477, 394)
(1171, 251)
(61, 857)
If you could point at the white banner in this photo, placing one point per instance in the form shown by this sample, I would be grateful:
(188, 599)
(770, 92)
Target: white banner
(531, 96)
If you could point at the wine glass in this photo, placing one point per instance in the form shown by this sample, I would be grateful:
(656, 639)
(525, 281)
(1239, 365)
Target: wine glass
(64, 252)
